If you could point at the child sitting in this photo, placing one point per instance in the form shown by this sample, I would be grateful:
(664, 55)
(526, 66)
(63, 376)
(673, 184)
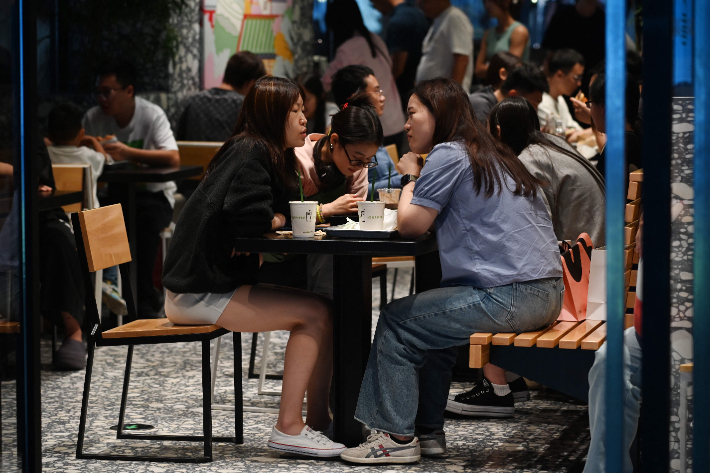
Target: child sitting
(70, 144)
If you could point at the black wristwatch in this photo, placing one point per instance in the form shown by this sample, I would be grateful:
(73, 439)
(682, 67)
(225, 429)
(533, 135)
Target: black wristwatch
(407, 178)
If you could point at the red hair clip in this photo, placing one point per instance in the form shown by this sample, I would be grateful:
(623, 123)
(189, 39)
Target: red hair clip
(345, 105)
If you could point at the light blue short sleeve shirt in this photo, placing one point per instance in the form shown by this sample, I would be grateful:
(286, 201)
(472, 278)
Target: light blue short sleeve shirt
(484, 242)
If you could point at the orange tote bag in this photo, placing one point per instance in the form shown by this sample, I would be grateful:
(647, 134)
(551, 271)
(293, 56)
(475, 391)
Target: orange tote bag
(576, 263)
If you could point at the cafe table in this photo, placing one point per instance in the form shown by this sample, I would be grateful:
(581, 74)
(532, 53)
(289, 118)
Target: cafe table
(352, 304)
(125, 179)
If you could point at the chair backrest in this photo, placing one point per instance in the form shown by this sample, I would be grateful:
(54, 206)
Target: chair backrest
(198, 153)
(392, 150)
(71, 177)
(104, 237)
(102, 242)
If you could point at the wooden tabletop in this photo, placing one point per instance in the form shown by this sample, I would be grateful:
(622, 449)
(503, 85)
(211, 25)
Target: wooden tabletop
(46, 200)
(135, 173)
(274, 243)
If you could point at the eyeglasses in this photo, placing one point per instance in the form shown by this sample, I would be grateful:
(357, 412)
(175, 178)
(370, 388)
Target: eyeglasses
(358, 163)
(577, 77)
(105, 93)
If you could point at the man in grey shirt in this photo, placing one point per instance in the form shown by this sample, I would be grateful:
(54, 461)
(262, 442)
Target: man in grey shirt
(210, 115)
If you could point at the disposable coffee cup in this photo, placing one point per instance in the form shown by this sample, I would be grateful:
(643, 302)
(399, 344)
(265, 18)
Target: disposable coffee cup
(303, 218)
(371, 215)
(389, 196)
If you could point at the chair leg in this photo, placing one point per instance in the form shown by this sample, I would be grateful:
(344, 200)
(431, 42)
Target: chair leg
(238, 391)
(206, 399)
(124, 393)
(383, 289)
(394, 282)
(85, 399)
(264, 360)
(252, 356)
(411, 283)
(215, 361)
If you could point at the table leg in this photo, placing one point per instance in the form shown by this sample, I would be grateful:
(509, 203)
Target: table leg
(428, 271)
(352, 337)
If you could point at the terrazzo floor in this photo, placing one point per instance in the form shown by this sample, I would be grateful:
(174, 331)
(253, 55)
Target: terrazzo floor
(548, 433)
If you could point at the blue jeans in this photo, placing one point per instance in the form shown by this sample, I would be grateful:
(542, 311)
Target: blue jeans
(596, 458)
(407, 380)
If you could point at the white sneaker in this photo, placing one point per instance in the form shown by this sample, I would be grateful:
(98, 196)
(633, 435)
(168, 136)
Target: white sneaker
(308, 442)
(380, 448)
(433, 443)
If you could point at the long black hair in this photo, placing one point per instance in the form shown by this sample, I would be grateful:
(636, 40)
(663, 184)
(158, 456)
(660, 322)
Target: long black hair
(263, 117)
(313, 85)
(455, 121)
(357, 122)
(520, 128)
(344, 20)
(597, 94)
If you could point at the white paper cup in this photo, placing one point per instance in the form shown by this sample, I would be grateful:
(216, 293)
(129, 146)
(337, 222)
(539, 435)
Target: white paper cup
(303, 218)
(389, 196)
(371, 215)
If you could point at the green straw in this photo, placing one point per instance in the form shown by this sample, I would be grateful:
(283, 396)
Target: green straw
(372, 193)
(389, 176)
(300, 184)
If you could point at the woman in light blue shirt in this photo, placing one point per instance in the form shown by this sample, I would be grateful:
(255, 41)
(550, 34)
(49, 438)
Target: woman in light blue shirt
(500, 265)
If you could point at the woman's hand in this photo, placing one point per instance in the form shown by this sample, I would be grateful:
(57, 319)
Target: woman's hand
(345, 204)
(279, 221)
(410, 163)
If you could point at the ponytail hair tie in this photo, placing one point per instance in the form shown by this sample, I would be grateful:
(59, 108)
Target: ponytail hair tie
(345, 105)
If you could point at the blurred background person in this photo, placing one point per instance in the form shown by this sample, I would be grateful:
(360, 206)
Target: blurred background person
(509, 35)
(354, 44)
(447, 50)
(406, 28)
(318, 110)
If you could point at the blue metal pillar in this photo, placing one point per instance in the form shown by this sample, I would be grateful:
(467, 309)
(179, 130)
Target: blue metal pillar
(701, 317)
(615, 202)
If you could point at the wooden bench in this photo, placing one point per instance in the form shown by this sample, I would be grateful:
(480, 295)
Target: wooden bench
(560, 356)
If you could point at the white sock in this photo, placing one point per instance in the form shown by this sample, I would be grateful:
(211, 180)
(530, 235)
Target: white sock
(501, 389)
(510, 377)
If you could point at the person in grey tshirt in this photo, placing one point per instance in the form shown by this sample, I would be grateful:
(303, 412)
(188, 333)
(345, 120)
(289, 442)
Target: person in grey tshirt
(574, 192)
(210, 115)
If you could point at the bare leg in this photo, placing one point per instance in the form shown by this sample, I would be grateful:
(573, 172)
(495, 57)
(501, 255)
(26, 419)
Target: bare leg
(494, 374)
(309, 319)
(72, 329)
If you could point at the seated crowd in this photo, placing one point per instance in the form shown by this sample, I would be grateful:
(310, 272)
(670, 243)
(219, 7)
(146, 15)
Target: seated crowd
(502, 183)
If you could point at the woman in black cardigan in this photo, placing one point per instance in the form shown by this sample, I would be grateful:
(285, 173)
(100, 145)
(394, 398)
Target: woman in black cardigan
(245, 194)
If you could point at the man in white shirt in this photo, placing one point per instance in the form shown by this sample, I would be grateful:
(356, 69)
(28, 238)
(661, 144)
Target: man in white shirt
(564, 76)
(143, 135)
(447, 50)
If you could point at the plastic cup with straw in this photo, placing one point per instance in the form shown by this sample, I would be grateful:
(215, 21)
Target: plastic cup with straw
(303, 214)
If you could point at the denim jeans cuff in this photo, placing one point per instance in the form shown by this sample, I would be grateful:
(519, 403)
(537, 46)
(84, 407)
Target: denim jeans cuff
(374, 427)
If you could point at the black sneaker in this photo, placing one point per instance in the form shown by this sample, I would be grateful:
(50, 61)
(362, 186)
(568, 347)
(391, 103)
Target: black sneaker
(520, 390)
(481, 401)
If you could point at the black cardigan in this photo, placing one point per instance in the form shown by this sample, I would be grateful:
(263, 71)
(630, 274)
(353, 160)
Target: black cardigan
(237, 199)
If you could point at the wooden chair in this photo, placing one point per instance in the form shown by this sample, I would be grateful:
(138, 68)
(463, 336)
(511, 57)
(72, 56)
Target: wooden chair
(564, 347)
(101, 242)
(74, 177)
(198, 153)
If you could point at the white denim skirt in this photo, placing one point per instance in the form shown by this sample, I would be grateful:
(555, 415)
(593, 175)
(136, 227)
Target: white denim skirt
(196, 309)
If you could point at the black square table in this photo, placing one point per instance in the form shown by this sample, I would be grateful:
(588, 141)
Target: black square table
(352, 304)
(126, 178)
